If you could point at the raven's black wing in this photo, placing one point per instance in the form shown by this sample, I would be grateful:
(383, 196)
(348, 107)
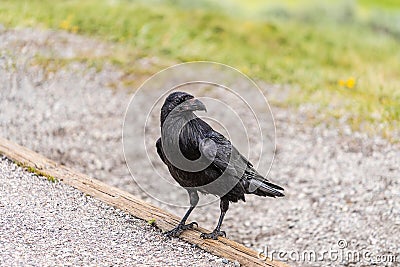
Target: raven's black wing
(223, 154)
(216, 148)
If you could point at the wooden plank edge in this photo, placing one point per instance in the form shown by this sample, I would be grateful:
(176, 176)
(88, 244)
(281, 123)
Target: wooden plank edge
(118, 198)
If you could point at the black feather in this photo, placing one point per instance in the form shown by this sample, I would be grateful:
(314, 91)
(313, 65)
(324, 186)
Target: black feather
(230, 174)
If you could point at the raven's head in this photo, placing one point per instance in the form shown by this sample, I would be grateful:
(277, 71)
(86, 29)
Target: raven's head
(180, 104)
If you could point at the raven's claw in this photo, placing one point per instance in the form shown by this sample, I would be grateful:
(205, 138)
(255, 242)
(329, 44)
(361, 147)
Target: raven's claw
(213, 235)
(179, 229)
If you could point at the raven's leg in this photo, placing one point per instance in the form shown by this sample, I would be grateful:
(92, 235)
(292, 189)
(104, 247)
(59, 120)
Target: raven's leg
(224, 205)
(194, 199)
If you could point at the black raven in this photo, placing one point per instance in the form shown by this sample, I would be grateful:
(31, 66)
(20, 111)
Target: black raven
(203, 160)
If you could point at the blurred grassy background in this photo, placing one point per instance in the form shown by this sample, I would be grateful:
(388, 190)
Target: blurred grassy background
(343, 56)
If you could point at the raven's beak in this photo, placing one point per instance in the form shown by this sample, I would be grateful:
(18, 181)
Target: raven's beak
(192, 105)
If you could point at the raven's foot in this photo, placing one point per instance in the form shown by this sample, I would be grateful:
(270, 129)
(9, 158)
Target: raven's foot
(213, 235)
(180, 228)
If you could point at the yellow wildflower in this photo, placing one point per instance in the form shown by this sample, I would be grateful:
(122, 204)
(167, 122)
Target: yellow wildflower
(350, 83)
(65, 24)
(74, 29)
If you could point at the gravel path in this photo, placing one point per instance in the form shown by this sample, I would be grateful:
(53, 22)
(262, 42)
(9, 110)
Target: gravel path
(340, 184)
(51, 224)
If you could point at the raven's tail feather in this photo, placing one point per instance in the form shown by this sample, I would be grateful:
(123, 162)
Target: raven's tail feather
(264, 188)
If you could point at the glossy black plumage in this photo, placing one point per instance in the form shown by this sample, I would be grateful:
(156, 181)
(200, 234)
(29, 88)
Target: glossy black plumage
(222, 171)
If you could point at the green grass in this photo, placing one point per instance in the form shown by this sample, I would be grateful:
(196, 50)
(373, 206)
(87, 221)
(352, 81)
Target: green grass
(152, 222)
(384, 4)
(300, 43)
(36, 171)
